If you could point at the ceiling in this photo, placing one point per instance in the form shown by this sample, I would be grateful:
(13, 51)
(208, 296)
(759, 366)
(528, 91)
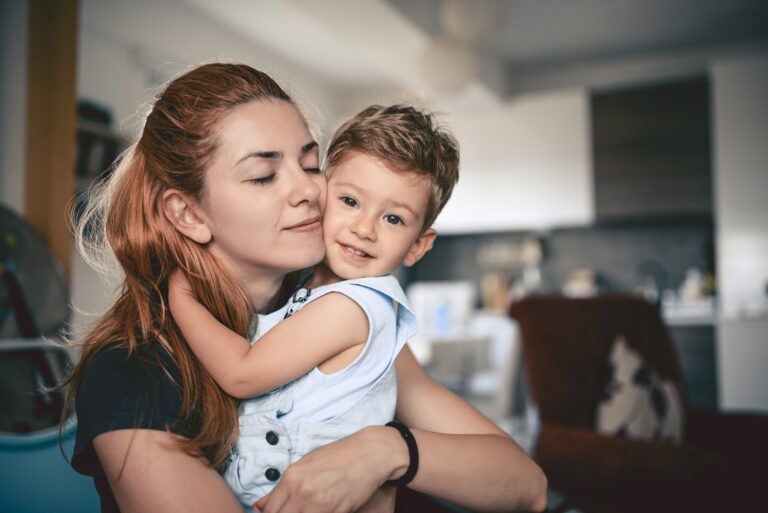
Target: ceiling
(545, 32)
(522, 37)
(506, 47)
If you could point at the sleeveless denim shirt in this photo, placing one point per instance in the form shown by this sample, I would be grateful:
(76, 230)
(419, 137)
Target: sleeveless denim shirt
(278, 428)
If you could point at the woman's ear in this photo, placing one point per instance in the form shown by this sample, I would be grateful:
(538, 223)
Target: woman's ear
(179, 209)
(419, 248)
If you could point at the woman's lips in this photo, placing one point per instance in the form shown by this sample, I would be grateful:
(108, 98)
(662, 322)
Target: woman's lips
(308, 225)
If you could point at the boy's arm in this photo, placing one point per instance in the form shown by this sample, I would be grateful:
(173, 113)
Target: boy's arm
(320, 330)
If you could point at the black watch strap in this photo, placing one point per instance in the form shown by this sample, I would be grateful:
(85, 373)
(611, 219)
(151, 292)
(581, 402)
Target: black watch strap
(413, 454)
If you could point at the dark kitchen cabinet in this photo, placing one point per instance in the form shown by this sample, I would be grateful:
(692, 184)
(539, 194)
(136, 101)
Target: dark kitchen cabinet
(651, 150)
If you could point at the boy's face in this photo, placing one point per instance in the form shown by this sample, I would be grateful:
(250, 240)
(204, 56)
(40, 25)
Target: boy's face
(373, 218)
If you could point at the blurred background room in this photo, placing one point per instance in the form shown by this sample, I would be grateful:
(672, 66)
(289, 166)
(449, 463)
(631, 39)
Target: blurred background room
(614, 157)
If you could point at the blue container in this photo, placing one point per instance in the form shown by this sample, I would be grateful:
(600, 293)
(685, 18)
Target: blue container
(35, 477)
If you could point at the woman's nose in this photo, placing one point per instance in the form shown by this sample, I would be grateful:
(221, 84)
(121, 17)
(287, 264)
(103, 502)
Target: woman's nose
(304, 189)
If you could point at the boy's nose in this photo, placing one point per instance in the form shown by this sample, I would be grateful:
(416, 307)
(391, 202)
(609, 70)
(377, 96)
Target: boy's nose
(363, 228)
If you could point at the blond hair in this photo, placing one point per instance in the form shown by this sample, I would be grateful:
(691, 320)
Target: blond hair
(408, 140)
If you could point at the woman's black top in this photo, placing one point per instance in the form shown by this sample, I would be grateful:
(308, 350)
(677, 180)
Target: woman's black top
(122, 392)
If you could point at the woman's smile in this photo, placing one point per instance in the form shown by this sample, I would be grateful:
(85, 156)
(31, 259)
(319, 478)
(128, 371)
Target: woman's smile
(306, 226)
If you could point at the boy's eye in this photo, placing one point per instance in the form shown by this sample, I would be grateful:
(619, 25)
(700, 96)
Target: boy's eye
(263, 180)
(350, 202)
(393, 219)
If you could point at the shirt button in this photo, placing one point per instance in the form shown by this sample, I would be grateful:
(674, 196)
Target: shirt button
(272, 474)
(272, 438)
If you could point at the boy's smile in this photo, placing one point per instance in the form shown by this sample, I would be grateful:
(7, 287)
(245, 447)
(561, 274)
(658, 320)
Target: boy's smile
(373, 218)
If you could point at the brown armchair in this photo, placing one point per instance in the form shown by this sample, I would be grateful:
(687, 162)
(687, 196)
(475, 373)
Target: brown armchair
(721, 461)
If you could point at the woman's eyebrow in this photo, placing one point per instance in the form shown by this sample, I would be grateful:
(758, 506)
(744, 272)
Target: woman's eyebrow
(270, 155)
(308, 147)
(275, 155)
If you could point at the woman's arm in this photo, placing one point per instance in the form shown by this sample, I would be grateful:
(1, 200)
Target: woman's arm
(148, 471)
(464, 457)
(341, 476)
(292, 348)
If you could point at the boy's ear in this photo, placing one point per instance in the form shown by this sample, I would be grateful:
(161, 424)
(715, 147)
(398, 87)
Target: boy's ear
(420, 247)
(179, 209)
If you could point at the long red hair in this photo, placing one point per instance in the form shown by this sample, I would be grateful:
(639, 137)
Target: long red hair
(125, 216)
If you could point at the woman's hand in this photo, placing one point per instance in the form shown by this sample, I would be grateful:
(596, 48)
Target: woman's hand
(342, 477)
(382, 501)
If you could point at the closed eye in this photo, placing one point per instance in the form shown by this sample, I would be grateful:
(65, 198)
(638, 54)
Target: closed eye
(313, 170)
(262, 180)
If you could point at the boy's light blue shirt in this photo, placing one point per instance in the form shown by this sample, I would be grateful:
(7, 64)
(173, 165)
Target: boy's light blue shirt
(319, 408)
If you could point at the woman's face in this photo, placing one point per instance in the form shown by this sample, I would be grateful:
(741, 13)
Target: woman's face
(264, 192)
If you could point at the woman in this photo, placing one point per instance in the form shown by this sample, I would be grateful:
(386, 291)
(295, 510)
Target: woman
(153, 426)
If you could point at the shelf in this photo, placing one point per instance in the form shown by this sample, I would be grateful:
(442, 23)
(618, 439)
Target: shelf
(693, 320)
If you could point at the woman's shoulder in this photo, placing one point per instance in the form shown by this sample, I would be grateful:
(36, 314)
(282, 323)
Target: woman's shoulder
(122, 389)
(117, 367)
(119, 379)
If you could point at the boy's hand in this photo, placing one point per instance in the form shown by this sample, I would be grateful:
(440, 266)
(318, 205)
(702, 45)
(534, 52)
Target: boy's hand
(178, 289)
(260, 504)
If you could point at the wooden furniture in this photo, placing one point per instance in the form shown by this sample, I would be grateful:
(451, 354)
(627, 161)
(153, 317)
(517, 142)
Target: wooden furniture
(651, 150)
(566, 342)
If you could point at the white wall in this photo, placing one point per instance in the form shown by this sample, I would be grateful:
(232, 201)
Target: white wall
(126, 49)
(13, 84)
(740, 93)
(740, 111)
(742, 364)
(524, 165)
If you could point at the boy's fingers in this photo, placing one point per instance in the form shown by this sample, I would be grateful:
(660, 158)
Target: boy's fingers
(261, 503)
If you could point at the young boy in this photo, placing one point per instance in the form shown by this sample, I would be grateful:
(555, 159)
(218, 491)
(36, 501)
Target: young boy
(322, 367)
